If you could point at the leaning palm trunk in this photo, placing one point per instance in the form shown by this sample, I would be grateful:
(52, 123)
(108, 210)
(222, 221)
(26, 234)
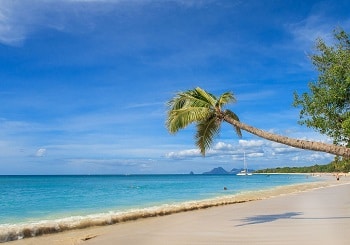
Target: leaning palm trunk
(297, 143)
(205, 109)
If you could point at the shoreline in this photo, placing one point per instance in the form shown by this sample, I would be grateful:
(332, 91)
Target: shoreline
(24, 230)
(169, 210)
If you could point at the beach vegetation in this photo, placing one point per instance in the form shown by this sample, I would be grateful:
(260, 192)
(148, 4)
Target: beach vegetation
(326, 106)
(207, 112)
(333, 167)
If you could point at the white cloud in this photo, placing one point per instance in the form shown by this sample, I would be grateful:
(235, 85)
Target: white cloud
(222, 146)
(251, 143)
(283, 149)
(313, 158)
(319, 156)
(256, 154)
(223, 149)
(296, 158)
(40, 152)
(184, 154)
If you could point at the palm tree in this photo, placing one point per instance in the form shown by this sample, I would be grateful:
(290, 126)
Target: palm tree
(205, 109)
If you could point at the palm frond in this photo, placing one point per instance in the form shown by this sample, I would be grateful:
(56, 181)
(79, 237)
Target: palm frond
(205, 96)
(203, 108)
(206, 131)
(233, 115)
(188, 107)
(225, 98)
(186, 100)
(177, 102)
(181, 118)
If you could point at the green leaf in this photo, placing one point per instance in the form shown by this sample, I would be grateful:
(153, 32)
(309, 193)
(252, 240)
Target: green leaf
(233, 115)
(206, 131)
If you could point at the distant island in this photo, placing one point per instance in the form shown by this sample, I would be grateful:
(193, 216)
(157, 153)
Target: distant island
(221, 170)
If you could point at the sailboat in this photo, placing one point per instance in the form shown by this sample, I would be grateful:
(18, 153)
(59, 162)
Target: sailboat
(244, 172)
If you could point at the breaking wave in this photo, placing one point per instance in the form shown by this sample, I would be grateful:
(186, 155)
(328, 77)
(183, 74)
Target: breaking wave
(11, 232)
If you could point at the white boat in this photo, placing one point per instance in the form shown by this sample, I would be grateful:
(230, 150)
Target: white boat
(244, 172)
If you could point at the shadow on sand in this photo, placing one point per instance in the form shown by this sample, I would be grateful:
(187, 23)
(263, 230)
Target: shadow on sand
(258, 219)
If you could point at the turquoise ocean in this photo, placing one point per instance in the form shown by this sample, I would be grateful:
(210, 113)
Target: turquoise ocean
(34, 205)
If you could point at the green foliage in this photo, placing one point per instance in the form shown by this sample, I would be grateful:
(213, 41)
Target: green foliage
(207, 129)
(310, 169)
(335, 166)
(326, 108)
(233, 115)
(187, 107)
(204, 109)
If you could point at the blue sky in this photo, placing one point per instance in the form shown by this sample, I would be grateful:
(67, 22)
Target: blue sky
(84, 83)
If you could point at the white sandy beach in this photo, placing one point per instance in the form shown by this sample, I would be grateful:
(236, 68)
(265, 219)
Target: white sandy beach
(320, 215)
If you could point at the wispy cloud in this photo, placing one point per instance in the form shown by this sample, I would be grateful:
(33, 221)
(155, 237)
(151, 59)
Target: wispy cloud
(11, 32)
(255, 95)
(150, 104)
(307, 31)
(318, 24)
(20, 18)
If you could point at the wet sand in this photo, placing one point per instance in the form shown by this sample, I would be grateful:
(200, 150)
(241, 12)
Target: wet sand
(303, 214)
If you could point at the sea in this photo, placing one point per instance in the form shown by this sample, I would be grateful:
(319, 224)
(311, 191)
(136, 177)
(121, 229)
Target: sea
(36, 205)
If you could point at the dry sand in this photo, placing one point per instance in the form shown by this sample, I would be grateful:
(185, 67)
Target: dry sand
(320, 215)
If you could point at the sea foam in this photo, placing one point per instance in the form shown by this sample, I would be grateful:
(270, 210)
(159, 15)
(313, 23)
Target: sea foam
(10, 232)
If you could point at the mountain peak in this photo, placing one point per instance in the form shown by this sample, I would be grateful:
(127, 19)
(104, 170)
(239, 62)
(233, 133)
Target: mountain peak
(218, 170)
